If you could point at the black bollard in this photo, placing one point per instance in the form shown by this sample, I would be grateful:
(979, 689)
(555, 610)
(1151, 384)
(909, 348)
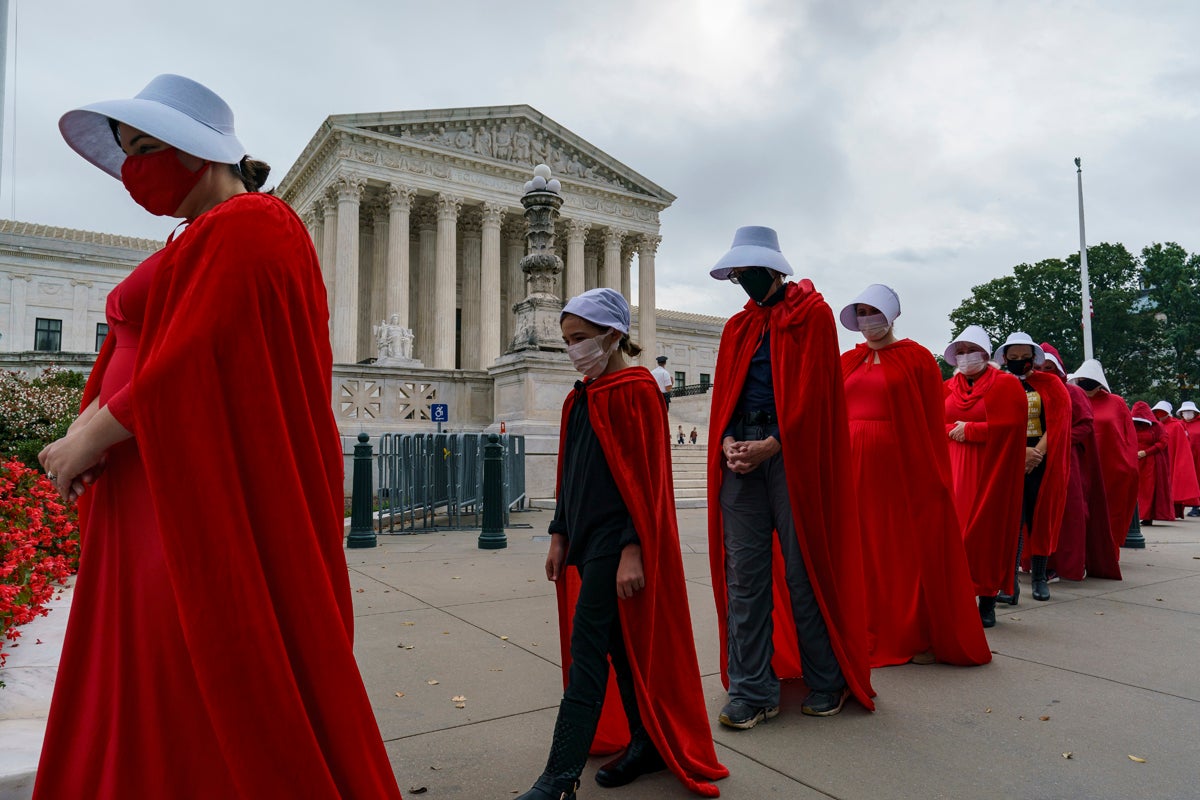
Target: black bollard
(362, 531)
(1134, 539)
(492, 536)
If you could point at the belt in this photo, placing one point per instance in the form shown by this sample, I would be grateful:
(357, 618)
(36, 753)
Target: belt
(757, 418)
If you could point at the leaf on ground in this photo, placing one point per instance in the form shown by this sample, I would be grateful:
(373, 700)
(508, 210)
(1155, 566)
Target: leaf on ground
(432, 682)
(1044, 718)
(987, 710)
(1137, 759)
(456, 578)
(410, 624)
(494, 669)
(418, 789)
(399, 694)
(1068, 755)
(504, 638)
(1158, 599)
(458, 698)
(1099, 613)
(360, 591)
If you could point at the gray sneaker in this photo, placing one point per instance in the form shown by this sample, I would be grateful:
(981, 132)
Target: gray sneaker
(744, 717)
(824, 704)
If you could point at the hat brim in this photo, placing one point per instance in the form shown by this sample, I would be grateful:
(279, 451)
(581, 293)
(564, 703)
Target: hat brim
(1039, 355)
(88, 133)
(750, 255)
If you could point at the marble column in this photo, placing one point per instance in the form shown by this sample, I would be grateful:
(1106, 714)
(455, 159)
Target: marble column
(446, 281)
(78, 339)
(399, 201)
(610, 276)
(515, 240)
(328, 250)
(647, 326)
(378, 297)
(627, 271)
(19, 330)
(422, 290)
(345, 308)
(314, 220)
(591, 269)
(490, 311)
(573, 281)
(472, 265)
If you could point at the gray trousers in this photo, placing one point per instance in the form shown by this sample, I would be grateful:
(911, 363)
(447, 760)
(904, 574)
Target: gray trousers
(753, 505)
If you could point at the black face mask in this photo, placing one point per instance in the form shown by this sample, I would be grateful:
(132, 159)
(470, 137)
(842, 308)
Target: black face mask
(757, 282)
(1087, 384)
(1017, 366)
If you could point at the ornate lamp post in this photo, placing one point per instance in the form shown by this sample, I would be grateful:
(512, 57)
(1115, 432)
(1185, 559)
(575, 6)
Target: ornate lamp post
(537, 315)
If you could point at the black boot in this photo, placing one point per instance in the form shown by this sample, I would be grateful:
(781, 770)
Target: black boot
(1041, 585)
(987, 611)
(640, 758)
(573, 733)
(1011, 599)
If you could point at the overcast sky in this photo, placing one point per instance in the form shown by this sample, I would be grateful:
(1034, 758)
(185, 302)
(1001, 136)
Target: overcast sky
(926, 145)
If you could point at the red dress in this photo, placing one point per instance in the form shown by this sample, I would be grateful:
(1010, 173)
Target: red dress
(988, 470)
(1116, 445)
(208, 651)
(920, 595)
(1154, 469)
(1184, 487)
(1193, 431)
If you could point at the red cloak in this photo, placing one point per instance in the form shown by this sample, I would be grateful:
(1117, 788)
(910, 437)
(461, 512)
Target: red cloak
(630, 420)
(1154, 469)
(1085, 544)
(1193, 431)
(1184, 488)
(1052, 496)
(987, 470)
(232, 416)
(810, 403)
(919, 590)
(1116, 448)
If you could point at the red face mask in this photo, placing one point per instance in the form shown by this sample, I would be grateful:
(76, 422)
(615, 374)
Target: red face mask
(158, 181)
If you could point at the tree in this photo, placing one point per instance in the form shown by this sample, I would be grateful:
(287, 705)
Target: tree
(1043, 299)
(1172, 279)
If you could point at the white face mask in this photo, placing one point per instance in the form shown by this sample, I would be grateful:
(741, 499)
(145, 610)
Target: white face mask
(589, 357)
(874, 327)
(971, 363)
(1188, 415)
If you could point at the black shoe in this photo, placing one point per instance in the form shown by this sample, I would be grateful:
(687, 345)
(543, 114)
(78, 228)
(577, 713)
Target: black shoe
(744, 717)
(1041, 583)
(987, 611)
(824, 704)
(640, 758)
(1010, 599)
(1195, 512)
(573, 733)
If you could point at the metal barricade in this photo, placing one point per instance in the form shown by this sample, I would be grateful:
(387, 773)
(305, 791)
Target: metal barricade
(434, 481)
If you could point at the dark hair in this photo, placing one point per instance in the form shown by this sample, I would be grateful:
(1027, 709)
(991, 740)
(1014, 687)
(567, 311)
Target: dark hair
(628, 346)
(251, 172)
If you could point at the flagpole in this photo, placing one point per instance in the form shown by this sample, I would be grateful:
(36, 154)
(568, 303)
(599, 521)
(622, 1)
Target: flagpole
(1086, 292)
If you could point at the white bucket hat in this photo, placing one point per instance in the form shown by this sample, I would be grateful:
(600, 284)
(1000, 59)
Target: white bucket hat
(1163, 405)
(176, 110)
(1091, 370)
(1188, 405)
(877, 296)
(972, 334)
(604, 307)
(753, 246)
(1021, 337)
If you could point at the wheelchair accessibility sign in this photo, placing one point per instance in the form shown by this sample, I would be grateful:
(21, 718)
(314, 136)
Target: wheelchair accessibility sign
(439, 412)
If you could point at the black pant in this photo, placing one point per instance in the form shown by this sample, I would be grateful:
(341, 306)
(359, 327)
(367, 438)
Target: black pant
(596, 636)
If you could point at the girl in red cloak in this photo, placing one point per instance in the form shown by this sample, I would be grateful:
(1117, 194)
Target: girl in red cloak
(1188, 415)
(1185, 489)
(1154, 466)
(614, 555)
(209, 648)
(1047, 456)
(985, 424)
(920, 597)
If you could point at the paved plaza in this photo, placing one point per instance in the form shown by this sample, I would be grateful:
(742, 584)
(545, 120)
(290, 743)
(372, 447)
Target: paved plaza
(1080, 686)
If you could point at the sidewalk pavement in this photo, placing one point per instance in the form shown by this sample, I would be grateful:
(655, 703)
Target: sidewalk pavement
(1103, 672)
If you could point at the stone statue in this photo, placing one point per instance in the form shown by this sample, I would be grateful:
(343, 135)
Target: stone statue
(483, 142)
(521, 145)
(393, 342)
(463, 139)
(504, 143)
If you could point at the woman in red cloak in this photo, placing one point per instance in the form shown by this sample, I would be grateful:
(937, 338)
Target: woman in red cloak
(209, 648)
(985, 424)
(1189, 415)
(920, 597)
(614, 555)
(1047, 456)
(1185, 489)
(1085, 544)
(1116, 447)
(1154, 466)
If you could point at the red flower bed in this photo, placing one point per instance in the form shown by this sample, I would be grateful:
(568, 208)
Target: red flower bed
(39, 547)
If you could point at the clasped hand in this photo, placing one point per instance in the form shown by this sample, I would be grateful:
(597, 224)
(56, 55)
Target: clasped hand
(744, 457)
(1033, 457)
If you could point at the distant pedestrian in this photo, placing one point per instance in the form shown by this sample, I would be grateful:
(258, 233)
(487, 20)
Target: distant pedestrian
(1191, 422)
(694, 435)
(778, 466)
(614, 557)
(1154, 466)
(1185, 490)
(681, 440)
(665, 382)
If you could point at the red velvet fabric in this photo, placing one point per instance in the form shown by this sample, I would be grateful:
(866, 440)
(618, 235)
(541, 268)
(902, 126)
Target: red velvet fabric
(810, 403)
(987, 469)
(1052, 497)
(1184, 486)
(235, 611)
(920, 595)
(1116, 448)
(627, 412)
(1193, 431)
(1154, 469)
